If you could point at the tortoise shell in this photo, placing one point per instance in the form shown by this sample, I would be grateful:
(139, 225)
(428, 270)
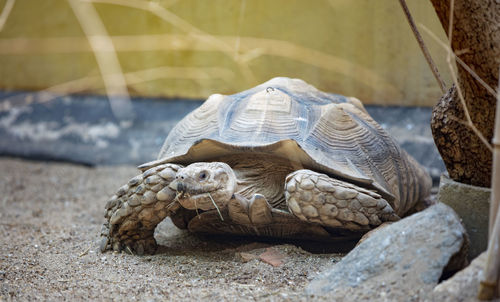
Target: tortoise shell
(291, 119)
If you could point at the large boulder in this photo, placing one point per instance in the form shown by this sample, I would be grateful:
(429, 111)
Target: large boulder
(403, 260)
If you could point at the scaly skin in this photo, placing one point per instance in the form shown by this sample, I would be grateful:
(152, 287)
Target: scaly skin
(317, 198)
(136, 209)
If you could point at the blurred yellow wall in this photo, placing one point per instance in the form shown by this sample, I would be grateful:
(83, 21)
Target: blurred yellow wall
(192, 48)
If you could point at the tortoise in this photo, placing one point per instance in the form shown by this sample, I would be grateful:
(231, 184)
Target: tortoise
(282, 159)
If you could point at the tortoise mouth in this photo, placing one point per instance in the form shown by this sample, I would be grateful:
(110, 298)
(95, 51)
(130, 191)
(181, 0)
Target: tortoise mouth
(200, 200)
(190, 197)
(201, 203)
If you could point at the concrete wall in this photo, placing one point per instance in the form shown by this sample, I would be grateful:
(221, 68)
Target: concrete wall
(192, 48)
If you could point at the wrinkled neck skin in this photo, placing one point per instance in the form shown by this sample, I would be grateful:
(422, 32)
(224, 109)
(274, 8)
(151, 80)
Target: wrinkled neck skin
(210, 185)
(262, 174)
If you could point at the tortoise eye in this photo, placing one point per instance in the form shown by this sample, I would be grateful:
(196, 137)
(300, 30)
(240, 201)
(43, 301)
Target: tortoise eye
(203, 175)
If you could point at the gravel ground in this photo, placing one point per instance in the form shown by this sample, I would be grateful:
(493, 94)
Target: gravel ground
(50, 218)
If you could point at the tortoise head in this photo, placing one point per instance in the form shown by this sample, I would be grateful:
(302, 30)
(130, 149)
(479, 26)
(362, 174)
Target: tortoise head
(204, 185)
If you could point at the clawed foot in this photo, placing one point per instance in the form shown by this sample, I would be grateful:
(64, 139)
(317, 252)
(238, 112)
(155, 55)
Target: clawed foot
(134, 211)
(254, 211)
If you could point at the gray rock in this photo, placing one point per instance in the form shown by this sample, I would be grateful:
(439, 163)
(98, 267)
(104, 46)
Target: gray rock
(168, 235)
(464, 285)
(472, 204)
(403, 260)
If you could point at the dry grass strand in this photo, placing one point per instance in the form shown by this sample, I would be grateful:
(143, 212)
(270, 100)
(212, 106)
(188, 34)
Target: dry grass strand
(106, 57)
(213, 201)
(450, 56)
(458, 60)
(423, 47)
(7, 9)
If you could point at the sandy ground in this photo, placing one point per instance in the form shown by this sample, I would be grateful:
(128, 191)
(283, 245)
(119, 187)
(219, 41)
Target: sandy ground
(50, 218)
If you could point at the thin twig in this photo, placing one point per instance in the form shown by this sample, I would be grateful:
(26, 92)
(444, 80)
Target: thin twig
(196, 208)
(129, 250)
(450, 23)
(466, 110)
(85, 252)
(91, 83)
(213, 201)
(489, 286)
(185, 26)
(424, 49)
(179, 194)
(6, 12)
(240, 21)
(469, 123)
(251, 47)
(107, 59)
(459, 61)
(170, 205)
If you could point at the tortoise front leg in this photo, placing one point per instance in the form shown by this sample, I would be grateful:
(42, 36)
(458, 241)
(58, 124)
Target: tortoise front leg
(256, 211)
(333, 203)
(137, 208)
(255, 217)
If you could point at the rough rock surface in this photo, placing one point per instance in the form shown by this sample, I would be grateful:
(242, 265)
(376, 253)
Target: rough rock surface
(472, 204)
(464, 285)
(404, 260)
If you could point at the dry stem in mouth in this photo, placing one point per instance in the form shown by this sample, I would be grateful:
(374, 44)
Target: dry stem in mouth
(209, 195)
(172, 203)
(180, 194)
(196, 208)
(176, 199)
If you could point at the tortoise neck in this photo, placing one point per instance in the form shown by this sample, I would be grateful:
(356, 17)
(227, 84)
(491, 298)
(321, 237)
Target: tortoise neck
(260, 174)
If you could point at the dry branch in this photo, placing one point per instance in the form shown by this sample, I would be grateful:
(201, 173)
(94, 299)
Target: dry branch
(489, 287)
(463, 141)
(6, 12)
(107, 59)
(424, 49)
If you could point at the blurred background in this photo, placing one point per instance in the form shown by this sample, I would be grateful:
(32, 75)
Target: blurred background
(103, 81)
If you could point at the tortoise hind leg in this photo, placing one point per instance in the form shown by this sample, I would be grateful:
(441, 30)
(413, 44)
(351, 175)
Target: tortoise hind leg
(333, 203)
(136, 209)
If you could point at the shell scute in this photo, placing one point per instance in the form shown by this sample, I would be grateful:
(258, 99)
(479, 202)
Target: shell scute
(289, 118)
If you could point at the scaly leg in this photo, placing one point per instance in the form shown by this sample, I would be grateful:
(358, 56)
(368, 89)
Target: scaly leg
(333, 203)
(137, 208)
(256, 211)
